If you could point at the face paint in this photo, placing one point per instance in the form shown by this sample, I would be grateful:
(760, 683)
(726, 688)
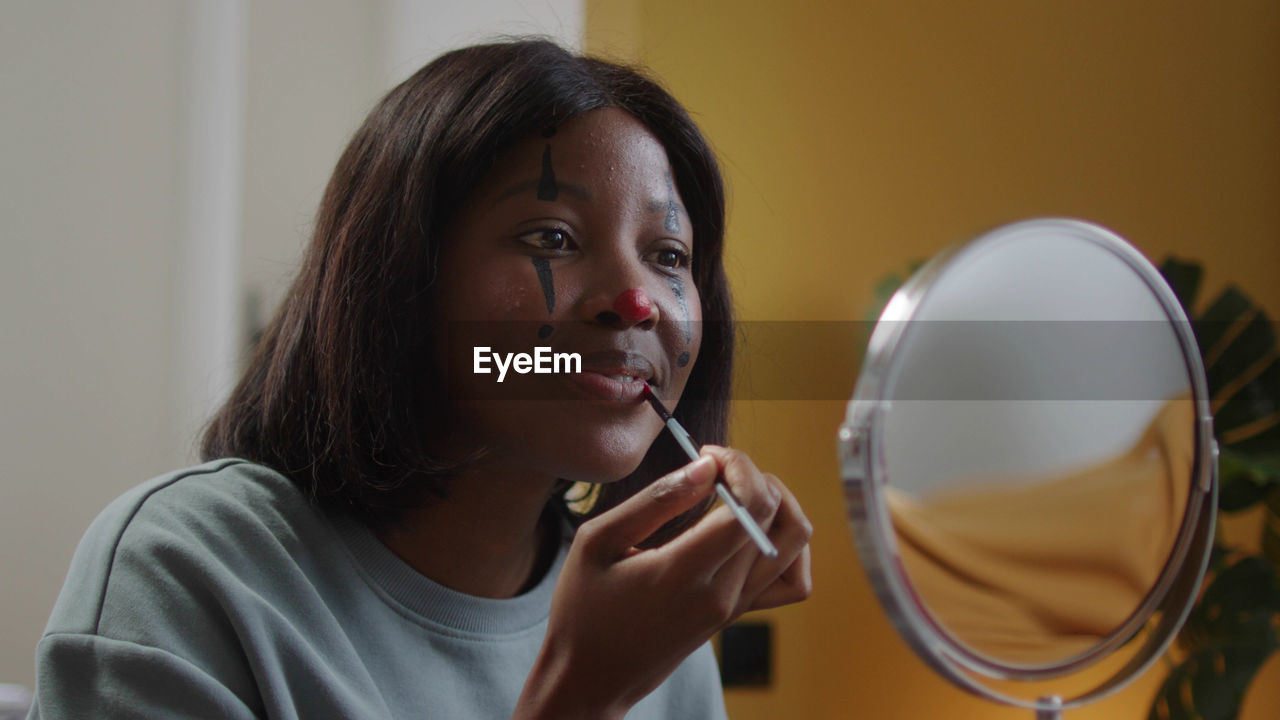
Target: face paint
(677, 289)
(543, 267)
(633, 306)
(547, 188)
(672, 221)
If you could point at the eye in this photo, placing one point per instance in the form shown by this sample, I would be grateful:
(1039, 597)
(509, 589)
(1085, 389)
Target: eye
(671, 258)
(547, 239)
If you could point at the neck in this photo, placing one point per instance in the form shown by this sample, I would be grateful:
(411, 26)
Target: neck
(489, 538)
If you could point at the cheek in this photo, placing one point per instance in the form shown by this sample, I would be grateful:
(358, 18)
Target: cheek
(498, 306)
(695, 323)
(684, 336)
(515, 291)
(695, 310)
(499, 294)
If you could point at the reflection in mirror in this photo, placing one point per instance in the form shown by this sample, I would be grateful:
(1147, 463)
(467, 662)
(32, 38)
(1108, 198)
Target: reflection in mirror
(1040, 568)
(1038, 449)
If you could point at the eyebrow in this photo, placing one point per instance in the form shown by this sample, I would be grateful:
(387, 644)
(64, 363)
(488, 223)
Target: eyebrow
(574, 189)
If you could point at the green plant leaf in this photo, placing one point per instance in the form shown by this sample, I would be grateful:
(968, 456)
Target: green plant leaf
(1271, 530)
(1249, 421)
(1211, 327)
(883, 291)
(1237, 595)
(1235, 632)
(1244, 480)
(1184, 277)
(1211, 683)
(1237, 341)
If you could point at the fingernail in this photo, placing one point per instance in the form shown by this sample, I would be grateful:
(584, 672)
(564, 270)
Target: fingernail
(701, 463)
(678, 482)
(669, 486)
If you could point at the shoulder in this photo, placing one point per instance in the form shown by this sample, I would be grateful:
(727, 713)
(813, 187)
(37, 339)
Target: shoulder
(187, 587)
(220, 487)
(214, 489)
(186, 527)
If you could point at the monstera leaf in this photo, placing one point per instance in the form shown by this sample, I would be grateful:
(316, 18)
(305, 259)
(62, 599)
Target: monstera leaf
(885, 287)
(1232, 630)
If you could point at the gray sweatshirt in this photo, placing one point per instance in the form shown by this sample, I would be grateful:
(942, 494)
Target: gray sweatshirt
(219, 592)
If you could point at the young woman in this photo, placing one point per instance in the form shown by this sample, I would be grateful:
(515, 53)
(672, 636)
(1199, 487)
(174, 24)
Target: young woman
(380, 530)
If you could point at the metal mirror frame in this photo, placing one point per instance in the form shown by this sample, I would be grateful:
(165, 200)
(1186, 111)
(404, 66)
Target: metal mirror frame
(862, 460)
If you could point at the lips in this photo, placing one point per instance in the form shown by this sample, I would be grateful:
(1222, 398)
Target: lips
(615, 375)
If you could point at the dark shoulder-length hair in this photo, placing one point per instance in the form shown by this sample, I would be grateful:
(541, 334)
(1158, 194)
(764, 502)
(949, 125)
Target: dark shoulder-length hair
(342, 389)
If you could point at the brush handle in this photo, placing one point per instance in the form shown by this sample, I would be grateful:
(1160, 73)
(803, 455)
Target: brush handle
(682, 438)
(744, 518)
(748, 523)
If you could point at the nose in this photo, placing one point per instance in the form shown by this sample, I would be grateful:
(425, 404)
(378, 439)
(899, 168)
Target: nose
(616, 287)
(618, 300)
(633, 306)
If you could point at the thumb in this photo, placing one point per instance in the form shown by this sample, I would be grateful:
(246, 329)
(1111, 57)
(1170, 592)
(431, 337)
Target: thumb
(622, 528)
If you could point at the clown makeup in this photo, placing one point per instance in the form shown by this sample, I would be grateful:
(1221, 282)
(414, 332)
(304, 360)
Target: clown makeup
(672, 221)
(543, 267)
(547, 188)
(677, 289)
(586, 247)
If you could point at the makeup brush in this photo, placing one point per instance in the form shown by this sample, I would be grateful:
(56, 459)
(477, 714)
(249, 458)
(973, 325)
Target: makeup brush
(686, 443)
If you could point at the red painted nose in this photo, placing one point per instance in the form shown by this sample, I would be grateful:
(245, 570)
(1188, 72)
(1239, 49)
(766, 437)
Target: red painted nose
(633, 306)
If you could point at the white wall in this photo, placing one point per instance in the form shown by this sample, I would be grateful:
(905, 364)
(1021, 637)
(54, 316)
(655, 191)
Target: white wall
(316, 71)
(89, 200)
(318, 66)
(143, 146)
(417, 31)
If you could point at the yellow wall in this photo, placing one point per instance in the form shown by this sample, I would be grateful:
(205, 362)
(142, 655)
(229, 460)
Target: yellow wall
(857, 136)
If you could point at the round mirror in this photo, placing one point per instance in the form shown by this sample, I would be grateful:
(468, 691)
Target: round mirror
(1029, 463)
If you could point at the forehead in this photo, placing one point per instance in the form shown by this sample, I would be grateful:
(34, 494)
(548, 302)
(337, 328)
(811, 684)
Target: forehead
(602, 146)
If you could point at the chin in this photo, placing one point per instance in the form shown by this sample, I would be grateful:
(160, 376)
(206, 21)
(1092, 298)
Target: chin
(600, 469)
(603, 462)
(575, 442)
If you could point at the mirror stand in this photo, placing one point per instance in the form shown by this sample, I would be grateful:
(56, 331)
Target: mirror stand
(1050, 708)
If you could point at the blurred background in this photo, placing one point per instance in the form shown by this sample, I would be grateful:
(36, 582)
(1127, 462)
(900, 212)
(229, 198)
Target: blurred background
(162, 161)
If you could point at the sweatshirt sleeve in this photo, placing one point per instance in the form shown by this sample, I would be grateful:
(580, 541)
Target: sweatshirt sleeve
(87, 676)
(131, 634)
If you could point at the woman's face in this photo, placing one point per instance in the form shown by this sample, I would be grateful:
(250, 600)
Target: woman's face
(577, 241)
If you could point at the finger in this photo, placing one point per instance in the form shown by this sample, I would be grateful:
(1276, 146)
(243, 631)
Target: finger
(786, 578)
(719, 538)
(745, 481)
(615, 532)
(792, 586)
(789, 531)
(748, 563)
(738, 567)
